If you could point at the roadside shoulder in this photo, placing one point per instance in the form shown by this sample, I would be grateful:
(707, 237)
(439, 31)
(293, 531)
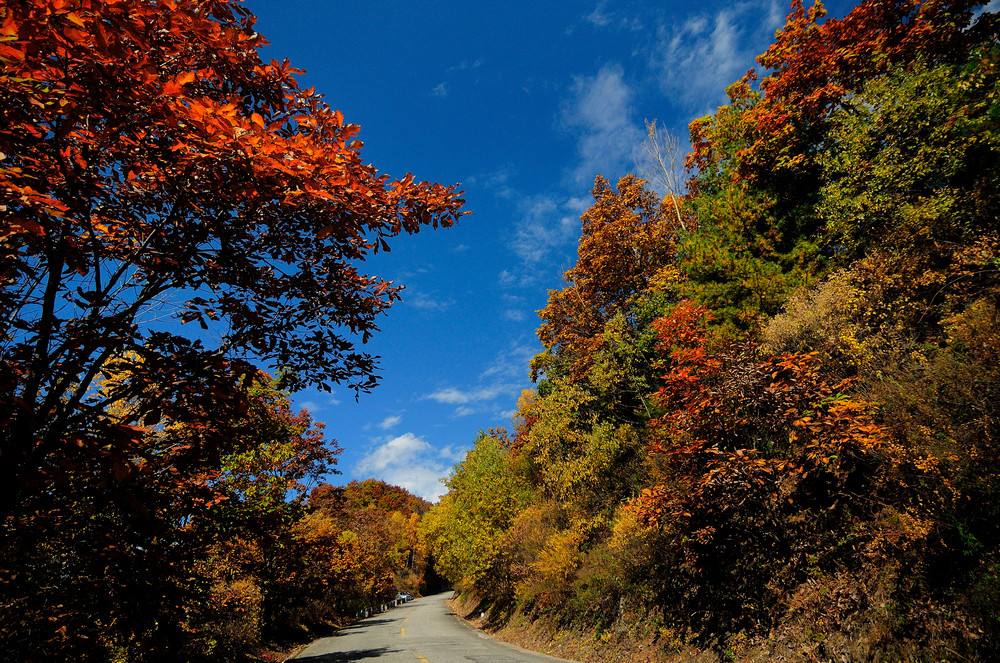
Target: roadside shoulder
(454, 604)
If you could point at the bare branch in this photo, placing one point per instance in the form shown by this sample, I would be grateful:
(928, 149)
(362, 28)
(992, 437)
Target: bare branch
(665, 151)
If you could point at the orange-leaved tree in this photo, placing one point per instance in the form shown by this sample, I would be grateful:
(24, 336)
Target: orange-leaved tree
(626, 237)
(172, 201)
(152, 162)
(814, 65)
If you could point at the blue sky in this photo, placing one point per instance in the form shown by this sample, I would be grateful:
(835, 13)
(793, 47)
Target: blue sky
(523, 103)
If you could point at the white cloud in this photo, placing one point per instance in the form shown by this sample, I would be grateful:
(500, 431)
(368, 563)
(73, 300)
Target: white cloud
(393, 452)
(426, 302)
(506, 415)
(578, 204)
(409, 461)
(440, 90)
(697, 58)
(467, 65)
(499, 383)
(511, 363)
(599, 17)
(390, 422)
(603, 18)
(453, 454)
(514, 315)
(496, 181)
(599, 112)
(455, 396)
(544, 226)
(548, 226)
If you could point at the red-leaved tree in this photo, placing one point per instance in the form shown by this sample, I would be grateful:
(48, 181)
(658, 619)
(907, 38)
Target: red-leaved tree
(155, 170)
(174, 210)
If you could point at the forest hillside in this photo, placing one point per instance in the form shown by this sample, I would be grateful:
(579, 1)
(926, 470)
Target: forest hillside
(765, 421)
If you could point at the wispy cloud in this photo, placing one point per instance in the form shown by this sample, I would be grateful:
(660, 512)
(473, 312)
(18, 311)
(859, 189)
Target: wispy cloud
(409, 461)
(506, 415)
(440, 90)
(545, 233)
(497, 386)
(510, 364)
(467, 65)
(457, 396)
(496, 181)
(697, 58)
(452, 453)
(390, 422)
(546, 224)
(508, 298)
(602, 17)
(599, 112)
(599, 16)
(425, 302)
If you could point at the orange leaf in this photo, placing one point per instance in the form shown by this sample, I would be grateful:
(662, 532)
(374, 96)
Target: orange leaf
(9, 28)
(10, 53)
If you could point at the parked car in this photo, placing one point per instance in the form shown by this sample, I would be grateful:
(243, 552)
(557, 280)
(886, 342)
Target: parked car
(404, 597)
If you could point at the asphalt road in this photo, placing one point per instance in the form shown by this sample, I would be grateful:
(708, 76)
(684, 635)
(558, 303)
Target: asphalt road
(422, 631)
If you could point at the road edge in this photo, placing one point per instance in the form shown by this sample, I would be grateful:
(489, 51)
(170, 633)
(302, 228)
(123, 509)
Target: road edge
(484, 634)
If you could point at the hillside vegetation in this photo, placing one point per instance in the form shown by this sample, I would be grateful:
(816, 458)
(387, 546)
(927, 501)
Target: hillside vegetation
(765, 423)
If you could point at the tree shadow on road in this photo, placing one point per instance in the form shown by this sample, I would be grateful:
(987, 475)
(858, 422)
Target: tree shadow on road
(344, 656)
(363, 624)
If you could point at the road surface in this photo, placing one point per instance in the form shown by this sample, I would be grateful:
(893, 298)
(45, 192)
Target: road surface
(422, 631)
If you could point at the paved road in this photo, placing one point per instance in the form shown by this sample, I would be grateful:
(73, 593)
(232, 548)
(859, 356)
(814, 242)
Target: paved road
(422, 631)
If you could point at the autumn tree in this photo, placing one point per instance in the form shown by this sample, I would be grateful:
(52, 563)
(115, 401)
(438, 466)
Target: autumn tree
(464, 530)
(360, 546)
(626, 237)
(814, 65)
(175, 209)
(381, 495)
(155, 168)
